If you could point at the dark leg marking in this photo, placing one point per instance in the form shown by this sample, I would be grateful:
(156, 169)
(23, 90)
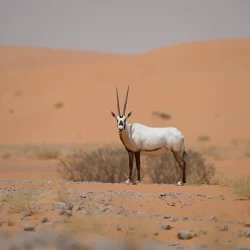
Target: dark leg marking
(131, 163)
(182, 163)
(138, 164)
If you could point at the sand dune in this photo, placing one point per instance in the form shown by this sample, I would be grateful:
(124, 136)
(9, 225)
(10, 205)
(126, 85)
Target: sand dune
(203, 86)
(13, 57)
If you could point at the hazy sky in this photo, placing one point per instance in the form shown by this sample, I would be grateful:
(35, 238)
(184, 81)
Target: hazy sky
(122, 26)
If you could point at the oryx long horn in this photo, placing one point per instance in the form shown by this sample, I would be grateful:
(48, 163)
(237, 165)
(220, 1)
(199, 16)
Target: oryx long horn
(118, 105)
(125, 103)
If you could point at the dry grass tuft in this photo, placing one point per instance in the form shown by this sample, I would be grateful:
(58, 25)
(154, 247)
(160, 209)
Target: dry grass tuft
(86, 224)
(40, 152)
(61, 194)
(59, 105)
(5, 155)
(239, 184)
(162, 115)
(247, 154)
(203, 138)
(43, 152)
(20, 201)
(110, 164)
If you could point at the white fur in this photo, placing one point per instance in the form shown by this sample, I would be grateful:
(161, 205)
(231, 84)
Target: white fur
(138, 137)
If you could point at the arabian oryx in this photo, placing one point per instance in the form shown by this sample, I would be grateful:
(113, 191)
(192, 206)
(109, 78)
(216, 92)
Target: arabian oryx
(138, 138)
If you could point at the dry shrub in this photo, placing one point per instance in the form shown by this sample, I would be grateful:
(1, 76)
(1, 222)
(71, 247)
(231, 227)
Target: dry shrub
(43, 152)
(103, 164)
(165, 169)
(110, 164)
(5, 155)
(240, 185)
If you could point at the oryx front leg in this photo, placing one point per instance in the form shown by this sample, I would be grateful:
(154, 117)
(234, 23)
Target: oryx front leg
(138, 166)
(131, 163)
(182, 163)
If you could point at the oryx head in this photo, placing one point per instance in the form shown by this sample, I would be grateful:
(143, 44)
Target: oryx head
(121, 118)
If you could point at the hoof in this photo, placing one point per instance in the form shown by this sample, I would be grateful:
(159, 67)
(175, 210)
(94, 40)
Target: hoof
(180, 183)
(137, 182)
(127, 182)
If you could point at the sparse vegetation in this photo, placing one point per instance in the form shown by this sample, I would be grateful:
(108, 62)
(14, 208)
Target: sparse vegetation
(59, 105)
(247, 154)
(20, 201)
(45, 152)
(239, 184)
(62, 195)
(209, 151)
(110, 164)
(203, 138)
(31, 151)
(162, 115)
(5, 155)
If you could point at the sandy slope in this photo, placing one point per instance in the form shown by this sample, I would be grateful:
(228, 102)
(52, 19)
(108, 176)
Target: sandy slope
(204, 86)
(13, 57)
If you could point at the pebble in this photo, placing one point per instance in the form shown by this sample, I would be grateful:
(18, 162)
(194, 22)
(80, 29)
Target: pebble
(185, 235)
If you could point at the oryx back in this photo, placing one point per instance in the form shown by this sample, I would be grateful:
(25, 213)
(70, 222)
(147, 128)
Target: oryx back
(152, 140)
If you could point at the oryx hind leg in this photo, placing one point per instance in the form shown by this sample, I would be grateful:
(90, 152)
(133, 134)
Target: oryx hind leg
(131, 163)
(180, 158)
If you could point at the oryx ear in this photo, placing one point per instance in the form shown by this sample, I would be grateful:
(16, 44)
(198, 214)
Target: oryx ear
(113, 114)
(129, 114)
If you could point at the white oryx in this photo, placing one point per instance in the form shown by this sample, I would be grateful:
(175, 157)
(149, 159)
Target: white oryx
(138, 138)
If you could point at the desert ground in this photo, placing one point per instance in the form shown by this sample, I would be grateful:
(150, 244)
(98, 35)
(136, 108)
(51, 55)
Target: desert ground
(62, 189)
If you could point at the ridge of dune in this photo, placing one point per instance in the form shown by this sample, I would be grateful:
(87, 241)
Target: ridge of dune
(18, 57)
(188, 47)
(203, 86)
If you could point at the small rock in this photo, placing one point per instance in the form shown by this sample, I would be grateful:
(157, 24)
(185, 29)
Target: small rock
(29, 227)
(11, 224)
(118, 227)
(203, 231)
(45, 219)
(77, 208)
(184, 235)
(66, 213)
(38, 204)
(240, 233)
(213, 218)
(26, 213)
(58, 205)
(156, 234)
(176, 218)
(246, 234)
(162, 195)
(166, 227)
(173, 244)
(224, 228)
(247, 225)
(68, 207)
